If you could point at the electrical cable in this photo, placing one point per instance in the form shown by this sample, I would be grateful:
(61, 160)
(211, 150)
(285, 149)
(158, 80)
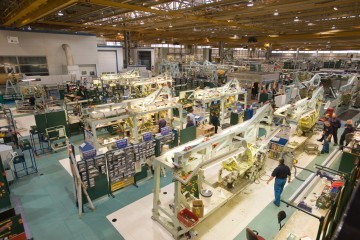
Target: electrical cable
(298, 178)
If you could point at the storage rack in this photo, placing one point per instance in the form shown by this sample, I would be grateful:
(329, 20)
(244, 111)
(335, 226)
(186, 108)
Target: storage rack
(276, 148)
(93, 174)
(121, 168)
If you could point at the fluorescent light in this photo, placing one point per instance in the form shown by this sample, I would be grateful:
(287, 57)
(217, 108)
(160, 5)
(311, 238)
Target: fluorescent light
(276, 13)
(142, 23)
(333, 27)
(250, 3)
(311, 24)
(296, 19)
(170, 26)
(335, 8)
(60, 13)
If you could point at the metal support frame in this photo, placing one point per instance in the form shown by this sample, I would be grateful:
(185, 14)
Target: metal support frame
(218, 149)
(351, 87)
(301, 108)
(231, 88)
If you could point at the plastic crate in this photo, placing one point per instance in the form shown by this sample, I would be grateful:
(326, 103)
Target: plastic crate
(87, 151)
(188, 218)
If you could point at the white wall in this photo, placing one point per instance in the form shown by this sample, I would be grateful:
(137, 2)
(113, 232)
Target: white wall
(119, 55)
(84, 48)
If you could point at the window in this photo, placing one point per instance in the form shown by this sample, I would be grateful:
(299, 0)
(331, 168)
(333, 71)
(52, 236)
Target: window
(28, 65)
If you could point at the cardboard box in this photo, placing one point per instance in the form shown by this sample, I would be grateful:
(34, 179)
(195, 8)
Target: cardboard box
(198, 208)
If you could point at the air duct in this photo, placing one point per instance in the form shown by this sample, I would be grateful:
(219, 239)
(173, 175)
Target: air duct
(68, 54)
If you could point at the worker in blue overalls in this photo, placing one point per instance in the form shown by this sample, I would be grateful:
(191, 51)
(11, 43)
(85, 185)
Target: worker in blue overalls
(328, 132)
(280, 173)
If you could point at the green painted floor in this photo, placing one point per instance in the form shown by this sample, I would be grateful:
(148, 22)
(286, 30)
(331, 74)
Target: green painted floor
(48, 203)
(266, 222)
(49, 208)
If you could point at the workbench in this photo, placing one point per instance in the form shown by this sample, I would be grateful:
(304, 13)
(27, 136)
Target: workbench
(205, 130)
(309, 225)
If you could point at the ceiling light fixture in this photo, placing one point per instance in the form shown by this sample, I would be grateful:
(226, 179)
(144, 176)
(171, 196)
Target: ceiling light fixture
(333, 27)
(60, 13)
(296, 19)
(170, 26)
(250, 3)
(142, 23)
(276, 13)
(311, 24)
(335, 8)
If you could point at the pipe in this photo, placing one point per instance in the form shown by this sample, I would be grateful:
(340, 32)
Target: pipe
(68, 54)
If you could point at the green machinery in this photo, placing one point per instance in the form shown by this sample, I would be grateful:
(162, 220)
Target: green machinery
(51, 128)
(56, 137)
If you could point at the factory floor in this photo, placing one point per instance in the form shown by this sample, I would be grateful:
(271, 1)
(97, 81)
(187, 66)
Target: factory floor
(47, 201)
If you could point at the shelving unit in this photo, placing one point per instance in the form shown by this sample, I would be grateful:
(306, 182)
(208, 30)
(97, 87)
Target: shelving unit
(276, 148)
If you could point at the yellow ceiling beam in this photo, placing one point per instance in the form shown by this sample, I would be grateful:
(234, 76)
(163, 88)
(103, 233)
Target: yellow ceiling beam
(51, 7)
(28, 8)
(167, 13)
(82, 26)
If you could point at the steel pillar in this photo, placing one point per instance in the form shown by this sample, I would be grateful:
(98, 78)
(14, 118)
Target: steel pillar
(126, 49)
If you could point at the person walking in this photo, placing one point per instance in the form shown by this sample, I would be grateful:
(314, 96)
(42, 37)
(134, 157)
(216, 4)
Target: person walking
(335, 124)
(349, 128)
(327, 137)
(215, 121)
(280, 173)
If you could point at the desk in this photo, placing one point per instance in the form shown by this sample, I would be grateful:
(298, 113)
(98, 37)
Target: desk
(302, 224)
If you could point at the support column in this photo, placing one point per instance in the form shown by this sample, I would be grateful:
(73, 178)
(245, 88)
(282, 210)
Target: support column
(221, 51)
(206, 55)
(126, 49)
(268, 51)
(297, 54)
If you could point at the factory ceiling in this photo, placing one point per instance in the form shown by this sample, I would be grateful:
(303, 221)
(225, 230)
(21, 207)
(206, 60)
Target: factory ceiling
(286, 24)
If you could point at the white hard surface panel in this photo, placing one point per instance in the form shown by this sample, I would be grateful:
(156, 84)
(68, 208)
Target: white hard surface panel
(139, 212)
(66, 163)
(24, 123)
(107, 61)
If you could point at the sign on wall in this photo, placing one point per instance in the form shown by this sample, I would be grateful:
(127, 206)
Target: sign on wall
(13, 40)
